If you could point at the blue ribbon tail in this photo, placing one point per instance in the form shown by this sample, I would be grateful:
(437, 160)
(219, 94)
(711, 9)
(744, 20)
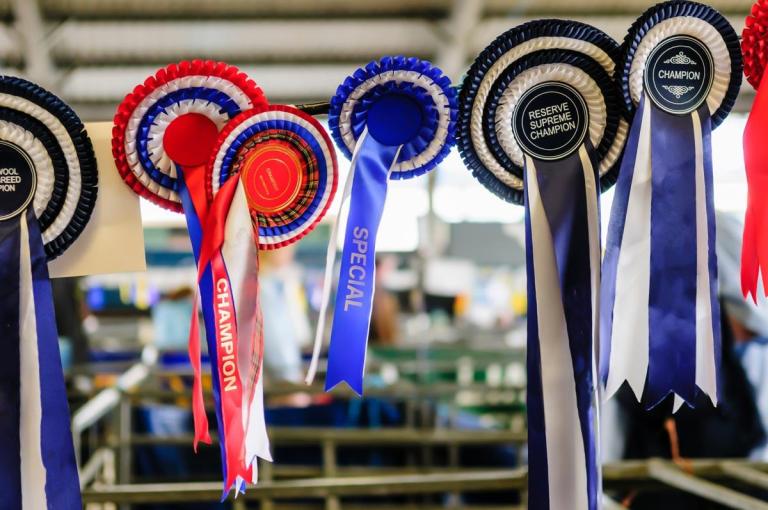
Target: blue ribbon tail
(354, 298)
(672, 294)
(10, 366)
(613, 241)
(562, 257)
(31, 352)
(206, 298)
(62, 485)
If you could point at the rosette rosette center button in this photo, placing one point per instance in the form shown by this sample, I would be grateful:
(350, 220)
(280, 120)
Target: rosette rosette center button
(395, 119)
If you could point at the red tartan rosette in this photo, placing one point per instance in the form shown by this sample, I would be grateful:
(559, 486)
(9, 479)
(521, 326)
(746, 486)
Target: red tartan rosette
(288, 168)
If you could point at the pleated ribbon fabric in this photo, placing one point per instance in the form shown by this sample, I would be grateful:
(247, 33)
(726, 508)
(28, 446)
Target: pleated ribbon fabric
(395, 119)
(48, 188)
(660, 316)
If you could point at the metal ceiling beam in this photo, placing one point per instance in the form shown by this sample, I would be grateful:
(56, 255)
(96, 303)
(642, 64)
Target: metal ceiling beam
(289, 8)
(307, 82)
(114, 42)
(31, 29)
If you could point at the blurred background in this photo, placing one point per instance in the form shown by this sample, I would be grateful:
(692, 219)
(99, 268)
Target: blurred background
(443, 421)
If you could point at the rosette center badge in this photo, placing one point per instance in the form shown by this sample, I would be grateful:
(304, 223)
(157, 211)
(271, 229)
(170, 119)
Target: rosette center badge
(17, 181)
(550, 121)
(679, 75)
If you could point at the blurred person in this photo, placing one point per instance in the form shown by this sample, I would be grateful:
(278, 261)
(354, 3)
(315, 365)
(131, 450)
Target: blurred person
(748, 321)
(736, 427)
(385, 311)
(284, 312)
(71, 310)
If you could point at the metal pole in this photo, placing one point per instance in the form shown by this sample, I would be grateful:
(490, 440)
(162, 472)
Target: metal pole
(332, 502)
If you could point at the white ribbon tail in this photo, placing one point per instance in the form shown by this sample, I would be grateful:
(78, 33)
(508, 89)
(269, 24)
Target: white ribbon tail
(593, 224)
(706, 371)
(33, 471)
(330, 263)
(630, 332)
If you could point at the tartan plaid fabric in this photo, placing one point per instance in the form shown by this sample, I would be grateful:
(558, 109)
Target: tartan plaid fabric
(309, 182)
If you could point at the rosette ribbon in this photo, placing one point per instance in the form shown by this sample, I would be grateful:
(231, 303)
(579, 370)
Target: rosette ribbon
(48, 186)
(754, 256)
(271, 178)
(660, 318)
(165, 132)
(395, 119)
(540, 121)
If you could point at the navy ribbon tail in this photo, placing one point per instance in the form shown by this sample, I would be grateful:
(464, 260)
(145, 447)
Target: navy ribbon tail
(10, 364)
(62, 485)
(563, 193)
(672, 299)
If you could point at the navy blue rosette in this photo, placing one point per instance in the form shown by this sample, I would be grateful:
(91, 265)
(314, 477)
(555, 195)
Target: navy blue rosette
(503, 173)
(395, 119)
(48, 188)
(680, 72)
(540, 124)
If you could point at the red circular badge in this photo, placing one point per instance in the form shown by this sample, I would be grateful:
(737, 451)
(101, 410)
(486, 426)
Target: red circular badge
(190, 138)
(273, 175)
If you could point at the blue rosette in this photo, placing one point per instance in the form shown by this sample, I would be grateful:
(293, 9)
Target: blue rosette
(541, 125)
(683, 18)
(500, 168)
(53, 137)
(426, 101)
(679, 74)
(395, 119)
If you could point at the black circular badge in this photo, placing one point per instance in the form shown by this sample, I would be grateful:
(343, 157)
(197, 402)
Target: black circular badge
(679, 74)
(17, 180)
(550, 121)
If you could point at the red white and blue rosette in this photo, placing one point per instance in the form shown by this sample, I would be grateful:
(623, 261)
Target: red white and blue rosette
(499, 166)
(213, 90)
(287, 167)
(48, 189)
(540, 124)
(165, 132)
(680, 73)
(395, 119)
(754, 259)
(270, 179)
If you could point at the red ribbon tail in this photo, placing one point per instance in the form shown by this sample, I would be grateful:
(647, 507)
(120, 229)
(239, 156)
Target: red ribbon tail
(749, 263)
(198, 402)
(755, 242)
(215, 224)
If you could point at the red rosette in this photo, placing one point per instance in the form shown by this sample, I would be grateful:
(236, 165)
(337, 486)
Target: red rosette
(754, 39)
(127, 109)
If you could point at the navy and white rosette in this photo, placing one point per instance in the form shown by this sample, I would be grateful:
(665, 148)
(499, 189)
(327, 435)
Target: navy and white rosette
(680, 73)
(502, 171)
(48, 187)
(395, 119)
(540, 123)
